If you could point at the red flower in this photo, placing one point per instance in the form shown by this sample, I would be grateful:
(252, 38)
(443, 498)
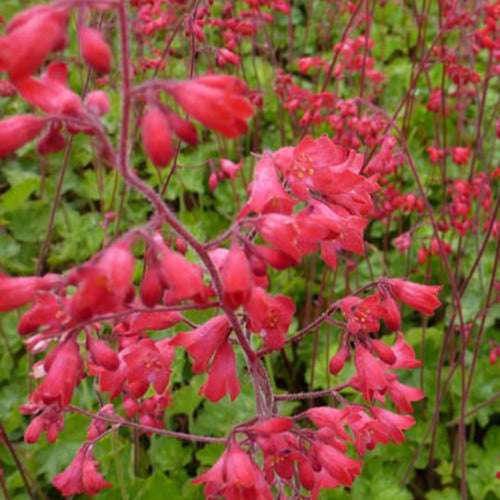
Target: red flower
(461, 155)
(422, 298)
(157, 137)
(235, 476)
(236, 278)
(266, 192)
(339, 466)
(270, 316)
(222, 377)
(50, 92)
(16, 292)
(203, 342)
(31, 37)
(19, 130)
(94, 49)
(182, 279)
(148, 362)
(393, 422)
(64, 367)
(216, 101)
(81, 476)
(97, 102)
(104, 285)
(46, 311)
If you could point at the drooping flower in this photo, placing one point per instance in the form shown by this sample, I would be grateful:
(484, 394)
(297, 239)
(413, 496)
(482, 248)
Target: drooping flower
(422, 298)
(50, 92)
(31, 37)
(266, 192)
(103, 285)
(64, 369)
(157, 137)
(81, 476)
(203, 342)
(216, 101)
(94, 49)
(236, 278)
(235, 476)
(16, 292)
(19, 130)
(270, 316)
(222, 377)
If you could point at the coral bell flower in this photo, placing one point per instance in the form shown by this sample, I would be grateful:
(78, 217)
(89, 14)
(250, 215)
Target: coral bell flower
(460, 156)
(94, 49)
(270, 316)
(31, 37)
(216, 101)
(81, 476)
(50, 92)
(64, 367)
(157, 137)
(203, 342)
(422, 298)
(235, 476)
(17, 131)
(16, 292)
(266, 192)
(104, 285)
(222, 377)
(236, 278)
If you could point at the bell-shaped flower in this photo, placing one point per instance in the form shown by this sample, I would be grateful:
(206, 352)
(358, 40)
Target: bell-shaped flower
(235, 476)
(203, 342)
(236, 278)
(81, 476)
(157, 137)
(216, 101)
(422, 298)
(270, 316)
(222, 376)
(267, 194)
(64, 369)
(31, 37)
(50, 92)
(94, 49)
(19, 130)
(16, 292)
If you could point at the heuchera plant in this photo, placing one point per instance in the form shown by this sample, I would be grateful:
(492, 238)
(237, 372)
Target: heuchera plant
(316, 196)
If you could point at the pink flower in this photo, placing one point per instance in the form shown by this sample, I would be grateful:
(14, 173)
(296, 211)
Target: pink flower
(203, 342)
(31, 37)
(94, 49)
(157, 137)
(16, 292)
(461, 155)
(339, 466)
(64, 371)
(270, 316)
(266, 192)
(19, 130)
(422, 298)
(50, 92)
(235, 476)
(236, 278)
(81, 476)
(222, 377)
(216, 101)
